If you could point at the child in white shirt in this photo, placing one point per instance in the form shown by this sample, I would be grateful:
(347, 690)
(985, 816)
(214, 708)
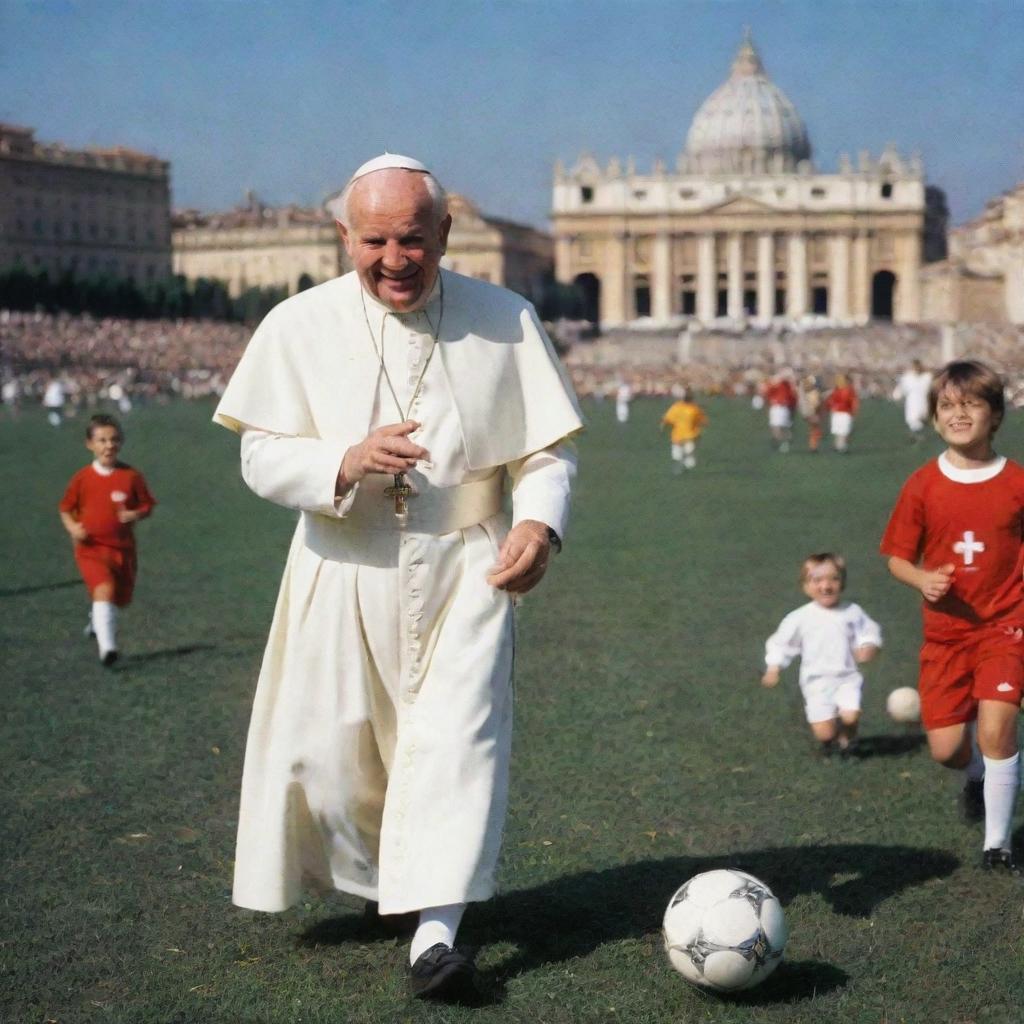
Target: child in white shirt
(832, 637)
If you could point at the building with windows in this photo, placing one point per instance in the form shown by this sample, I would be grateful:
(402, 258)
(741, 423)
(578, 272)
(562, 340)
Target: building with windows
(258, 246)
(745, 229)
(983, 278)
(503, 252)
(88, 211)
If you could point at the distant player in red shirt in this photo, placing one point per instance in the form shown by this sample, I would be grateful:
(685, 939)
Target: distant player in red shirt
(99, 508)
(780, 397)
(957, 536)
(842, 403)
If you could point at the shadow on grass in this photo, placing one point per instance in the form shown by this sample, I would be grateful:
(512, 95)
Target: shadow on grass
(888, 746)
(163, 655)
(575, 915)
(38, 588)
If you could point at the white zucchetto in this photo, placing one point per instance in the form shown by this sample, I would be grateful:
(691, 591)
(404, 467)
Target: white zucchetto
(387, 161)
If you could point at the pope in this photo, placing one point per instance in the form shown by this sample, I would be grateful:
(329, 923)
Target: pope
(394, 407)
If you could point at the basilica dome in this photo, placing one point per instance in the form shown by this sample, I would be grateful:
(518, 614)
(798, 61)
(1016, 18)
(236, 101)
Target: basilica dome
(747, 125)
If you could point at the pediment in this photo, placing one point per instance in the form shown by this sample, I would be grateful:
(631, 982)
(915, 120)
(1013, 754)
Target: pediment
(741, 205)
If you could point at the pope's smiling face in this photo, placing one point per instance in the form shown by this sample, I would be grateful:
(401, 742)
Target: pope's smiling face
(394, 237)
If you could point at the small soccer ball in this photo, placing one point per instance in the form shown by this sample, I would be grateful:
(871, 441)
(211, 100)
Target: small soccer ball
(904, 705)
(724, 930)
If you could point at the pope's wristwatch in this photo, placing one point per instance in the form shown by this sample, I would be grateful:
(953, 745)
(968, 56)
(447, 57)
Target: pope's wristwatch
(554, 540)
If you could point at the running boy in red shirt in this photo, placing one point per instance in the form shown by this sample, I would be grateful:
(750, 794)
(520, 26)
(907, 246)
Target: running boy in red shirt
(101, 503)
(957, 536)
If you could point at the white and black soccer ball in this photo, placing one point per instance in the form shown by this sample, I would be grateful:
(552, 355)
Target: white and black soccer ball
(904, 704)
(724, 930)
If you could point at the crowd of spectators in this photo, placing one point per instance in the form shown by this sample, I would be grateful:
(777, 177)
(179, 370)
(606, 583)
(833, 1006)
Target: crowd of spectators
(150, 359)
(161, 359)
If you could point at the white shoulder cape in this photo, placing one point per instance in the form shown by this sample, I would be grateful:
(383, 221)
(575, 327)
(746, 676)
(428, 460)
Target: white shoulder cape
(310, 370)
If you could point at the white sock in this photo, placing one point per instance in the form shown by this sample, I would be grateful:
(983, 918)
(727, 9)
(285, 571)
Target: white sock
(437, 924)
(1002, 780)
(975, 770)
(104, 624)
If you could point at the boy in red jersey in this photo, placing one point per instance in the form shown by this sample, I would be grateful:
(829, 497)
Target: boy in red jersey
(781, 397)
(98, 509)
(957, 536)
(842, 403)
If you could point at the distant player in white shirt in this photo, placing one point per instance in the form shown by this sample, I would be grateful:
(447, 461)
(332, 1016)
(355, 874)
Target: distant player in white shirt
(831, 637)
(623, 396)
(913, 387)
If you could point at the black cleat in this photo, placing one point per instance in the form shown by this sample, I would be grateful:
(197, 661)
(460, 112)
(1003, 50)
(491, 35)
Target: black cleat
(999, 860)
(108, 659)
(972, 802)
(443, 973)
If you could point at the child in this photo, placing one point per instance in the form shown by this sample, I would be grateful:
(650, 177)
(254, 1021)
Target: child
(98, 509)
(687, 420)
(809, 402)
(956, 536)
(832, 637)
(842, 403)
(782, 400)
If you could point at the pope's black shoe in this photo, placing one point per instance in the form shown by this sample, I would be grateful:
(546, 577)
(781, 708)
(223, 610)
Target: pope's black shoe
(108, 659)
(444, 974)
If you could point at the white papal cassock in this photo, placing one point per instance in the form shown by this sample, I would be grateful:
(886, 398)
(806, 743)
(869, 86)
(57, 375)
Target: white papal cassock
(377, 756)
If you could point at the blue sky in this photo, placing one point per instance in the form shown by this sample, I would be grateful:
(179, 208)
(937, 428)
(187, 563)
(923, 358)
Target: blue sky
(288, 98)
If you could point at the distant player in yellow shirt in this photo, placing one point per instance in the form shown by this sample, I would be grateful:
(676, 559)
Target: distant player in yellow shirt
(687, 420)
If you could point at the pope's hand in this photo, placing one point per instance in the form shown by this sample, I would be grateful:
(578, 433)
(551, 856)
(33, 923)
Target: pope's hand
(387, 450)
(523, 558)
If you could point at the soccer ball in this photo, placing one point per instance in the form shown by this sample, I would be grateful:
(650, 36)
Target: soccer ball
(724, 930)
(904, 705)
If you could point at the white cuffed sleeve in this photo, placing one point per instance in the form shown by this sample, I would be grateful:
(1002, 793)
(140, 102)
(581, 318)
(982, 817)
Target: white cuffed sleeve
(542, 484)
(866, 631)
(296, 472)
(784, 644)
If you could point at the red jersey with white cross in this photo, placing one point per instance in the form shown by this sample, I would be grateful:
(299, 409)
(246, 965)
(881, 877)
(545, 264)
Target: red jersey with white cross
(94, 498)
(974, 520)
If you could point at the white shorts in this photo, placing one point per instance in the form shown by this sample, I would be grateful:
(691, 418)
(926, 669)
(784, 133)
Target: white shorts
(826, 696)
(842, 424)
(780, 416)
(679, 451)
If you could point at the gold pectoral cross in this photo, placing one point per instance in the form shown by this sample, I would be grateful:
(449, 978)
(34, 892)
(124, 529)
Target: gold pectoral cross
(399, 491)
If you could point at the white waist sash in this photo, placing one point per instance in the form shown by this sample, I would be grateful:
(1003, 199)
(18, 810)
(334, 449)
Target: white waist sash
(434, 510)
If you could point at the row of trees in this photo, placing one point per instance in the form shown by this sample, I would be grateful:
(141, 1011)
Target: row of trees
(105, 295)
(204, 298)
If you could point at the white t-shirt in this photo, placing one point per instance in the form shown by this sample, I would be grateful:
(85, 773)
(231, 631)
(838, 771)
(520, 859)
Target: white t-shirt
(823, 638)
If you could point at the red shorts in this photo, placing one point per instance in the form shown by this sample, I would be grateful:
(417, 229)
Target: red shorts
(101, 564)
(955, 676)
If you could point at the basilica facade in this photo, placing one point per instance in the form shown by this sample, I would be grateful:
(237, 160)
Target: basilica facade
(745, 229)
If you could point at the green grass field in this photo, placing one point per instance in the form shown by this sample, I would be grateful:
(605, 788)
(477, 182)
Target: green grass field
(645, 752)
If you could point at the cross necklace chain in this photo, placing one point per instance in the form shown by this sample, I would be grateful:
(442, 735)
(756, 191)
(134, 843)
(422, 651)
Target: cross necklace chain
(401, 489)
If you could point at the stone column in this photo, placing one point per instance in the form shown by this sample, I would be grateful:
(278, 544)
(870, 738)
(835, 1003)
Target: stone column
(661, 277)
(796, 277)
(839, 277)
(613, 281)
(862, 277)
(734, 266)
(707, 278)
(765, 277)
(908, 279)
(564, 269)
